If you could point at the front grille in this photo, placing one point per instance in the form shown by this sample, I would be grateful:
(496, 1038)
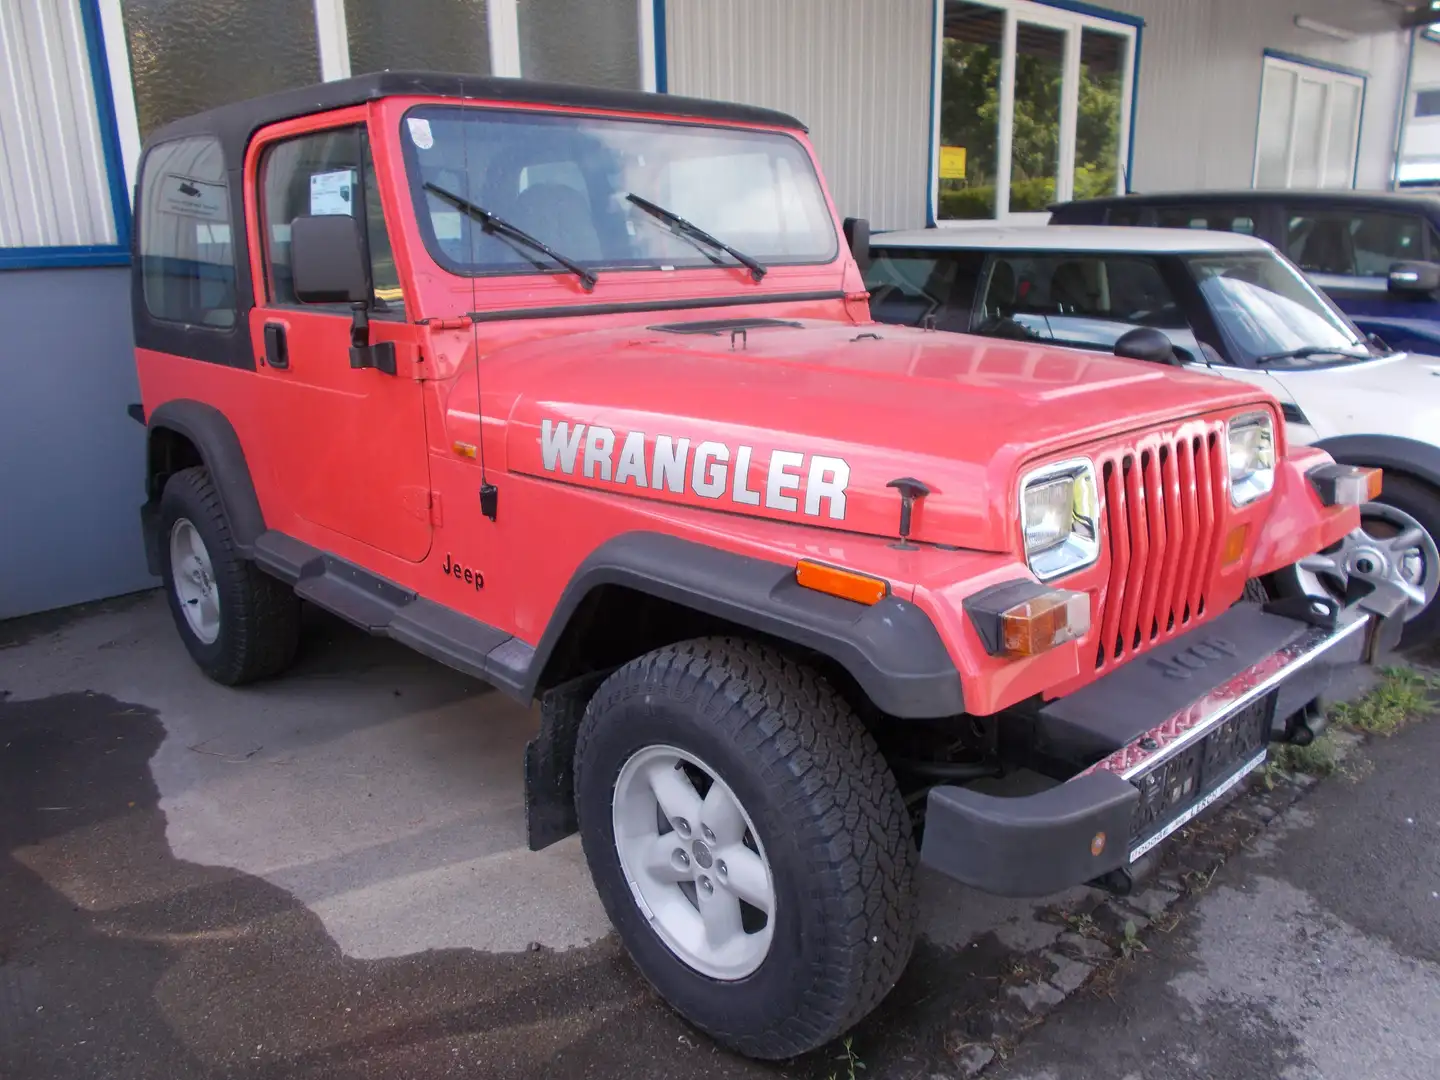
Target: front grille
(1164, 503)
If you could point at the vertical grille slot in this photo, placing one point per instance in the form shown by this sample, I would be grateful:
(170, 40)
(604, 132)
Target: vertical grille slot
(1162, 514)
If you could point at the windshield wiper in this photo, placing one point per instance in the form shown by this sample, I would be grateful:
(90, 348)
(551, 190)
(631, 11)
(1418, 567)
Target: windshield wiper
(493, 223)
(1306, 351)
(688, 229)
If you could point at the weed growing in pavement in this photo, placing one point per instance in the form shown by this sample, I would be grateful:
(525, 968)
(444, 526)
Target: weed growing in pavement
(1131, 944)
(853, 1064)
(1318, 759)
(1082, 923)
(1402, 696)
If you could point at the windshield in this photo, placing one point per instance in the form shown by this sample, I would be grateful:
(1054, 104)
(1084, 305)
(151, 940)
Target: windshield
(1267, 309)
(567, 181)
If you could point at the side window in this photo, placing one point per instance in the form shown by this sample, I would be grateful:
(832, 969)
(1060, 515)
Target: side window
(1216, 217)
(1079, 299)
(907, 285)
(329, 172)
(1124, 215)
(1362, 244)
(186, 255)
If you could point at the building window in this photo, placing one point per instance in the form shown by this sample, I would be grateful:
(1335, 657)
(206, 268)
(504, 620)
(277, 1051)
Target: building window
(426, 35)
(188, 57)
(1309, 131)
(1033, 106)
(62, 188)
(589, 42)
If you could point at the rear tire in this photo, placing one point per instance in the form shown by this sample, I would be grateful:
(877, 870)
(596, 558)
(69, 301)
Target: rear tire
(238, 623)
(828, 823)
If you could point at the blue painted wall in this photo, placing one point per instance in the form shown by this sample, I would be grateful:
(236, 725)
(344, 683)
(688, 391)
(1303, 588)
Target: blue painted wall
(71, 460)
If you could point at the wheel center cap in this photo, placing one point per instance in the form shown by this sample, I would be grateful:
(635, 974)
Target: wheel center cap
(703, 858)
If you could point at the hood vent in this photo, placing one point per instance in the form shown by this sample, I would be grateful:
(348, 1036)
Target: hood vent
(725, 326)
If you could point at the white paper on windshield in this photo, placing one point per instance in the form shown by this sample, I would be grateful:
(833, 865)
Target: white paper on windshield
(420, 133)
(332, 192)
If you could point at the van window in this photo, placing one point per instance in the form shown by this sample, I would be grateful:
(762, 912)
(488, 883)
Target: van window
(1218, 218)
(187, 257)
(1361, 244)
(329, 172)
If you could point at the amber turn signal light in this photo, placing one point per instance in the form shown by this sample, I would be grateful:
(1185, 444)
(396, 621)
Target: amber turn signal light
(1234, 545)
(846, 584)
(1042, 622)
(1346, 485)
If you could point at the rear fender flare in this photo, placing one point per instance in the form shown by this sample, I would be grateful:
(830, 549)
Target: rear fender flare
(214, 437)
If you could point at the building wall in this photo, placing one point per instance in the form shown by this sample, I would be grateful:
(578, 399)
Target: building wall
(856, 71)
(1199, 90)
(859, 73)
(71, 460)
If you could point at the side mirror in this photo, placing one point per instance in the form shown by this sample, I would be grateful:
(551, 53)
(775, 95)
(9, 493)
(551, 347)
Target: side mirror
(1143, 343)
(327, 260)
(1414, 278)
(857, 235)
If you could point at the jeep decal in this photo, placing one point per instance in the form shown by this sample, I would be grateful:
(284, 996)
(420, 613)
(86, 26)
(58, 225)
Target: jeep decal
(705, 468)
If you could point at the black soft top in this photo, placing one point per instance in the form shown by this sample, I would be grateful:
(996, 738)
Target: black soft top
(235, 124)
(1415, 200)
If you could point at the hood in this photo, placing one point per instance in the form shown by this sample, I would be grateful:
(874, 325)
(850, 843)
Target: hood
(811, 423)
(1394, 395)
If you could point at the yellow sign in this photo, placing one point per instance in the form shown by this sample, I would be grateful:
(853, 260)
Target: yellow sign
(952, 163)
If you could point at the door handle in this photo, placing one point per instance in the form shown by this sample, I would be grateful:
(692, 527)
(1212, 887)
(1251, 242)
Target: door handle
(277, 350)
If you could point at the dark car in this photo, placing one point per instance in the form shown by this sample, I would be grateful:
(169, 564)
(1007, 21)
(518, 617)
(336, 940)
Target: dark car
(1374, 253)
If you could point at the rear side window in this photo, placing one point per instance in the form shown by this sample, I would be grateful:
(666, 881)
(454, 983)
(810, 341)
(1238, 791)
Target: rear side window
(1217, 218)
(1362, 244)
(909, 286)
(187, 256)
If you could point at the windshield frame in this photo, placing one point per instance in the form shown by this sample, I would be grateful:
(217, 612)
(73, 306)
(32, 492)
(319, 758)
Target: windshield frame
(414, 183)
(1243, 357)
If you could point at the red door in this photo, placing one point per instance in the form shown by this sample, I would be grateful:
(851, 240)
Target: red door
(347, 445)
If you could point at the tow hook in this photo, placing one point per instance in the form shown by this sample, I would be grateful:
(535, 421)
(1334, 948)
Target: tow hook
(1123, 880)
(1306, 725)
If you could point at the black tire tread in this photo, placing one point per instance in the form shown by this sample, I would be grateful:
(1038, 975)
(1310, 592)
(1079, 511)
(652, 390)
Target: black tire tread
(261, 630)
(845, 804)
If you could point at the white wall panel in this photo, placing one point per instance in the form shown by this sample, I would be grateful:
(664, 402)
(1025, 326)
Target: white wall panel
(1199, 93)
(856, 71)
(54, 189)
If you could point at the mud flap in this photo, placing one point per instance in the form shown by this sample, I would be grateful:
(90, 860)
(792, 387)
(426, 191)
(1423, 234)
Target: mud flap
(550, 763)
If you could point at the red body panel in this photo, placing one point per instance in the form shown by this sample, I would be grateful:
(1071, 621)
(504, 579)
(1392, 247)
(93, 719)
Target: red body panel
(385, 471)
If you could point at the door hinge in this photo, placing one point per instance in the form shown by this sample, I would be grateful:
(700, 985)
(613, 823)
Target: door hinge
(462, 323)
(436, 517)
(419, 502)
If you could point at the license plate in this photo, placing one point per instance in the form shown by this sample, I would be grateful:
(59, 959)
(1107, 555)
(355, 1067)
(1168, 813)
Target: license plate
(1180, 787)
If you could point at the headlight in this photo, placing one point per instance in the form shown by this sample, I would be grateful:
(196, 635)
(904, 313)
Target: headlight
(1058, 516)
(1251, 440)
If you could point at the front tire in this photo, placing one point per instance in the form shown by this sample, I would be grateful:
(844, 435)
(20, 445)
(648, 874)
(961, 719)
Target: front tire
(238, 623)
(723, 749)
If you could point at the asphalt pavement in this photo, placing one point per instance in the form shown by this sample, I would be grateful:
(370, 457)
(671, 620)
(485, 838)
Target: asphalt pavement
(1314, 956)
(326, 876)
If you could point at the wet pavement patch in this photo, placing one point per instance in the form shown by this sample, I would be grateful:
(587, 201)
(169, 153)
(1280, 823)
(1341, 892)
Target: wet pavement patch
(118, 960)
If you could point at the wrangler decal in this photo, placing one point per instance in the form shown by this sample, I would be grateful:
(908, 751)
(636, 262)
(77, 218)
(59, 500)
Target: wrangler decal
(714, 470)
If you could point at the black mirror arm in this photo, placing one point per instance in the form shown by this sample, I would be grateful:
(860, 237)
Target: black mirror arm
(359, 325)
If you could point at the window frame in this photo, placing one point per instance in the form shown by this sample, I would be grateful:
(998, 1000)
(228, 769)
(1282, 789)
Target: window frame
(1072, 19)
(262, 150)
(112, 160)
(426, 227)
(1330, 75)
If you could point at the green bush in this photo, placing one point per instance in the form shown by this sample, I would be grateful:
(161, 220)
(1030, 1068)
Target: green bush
(1026, 196)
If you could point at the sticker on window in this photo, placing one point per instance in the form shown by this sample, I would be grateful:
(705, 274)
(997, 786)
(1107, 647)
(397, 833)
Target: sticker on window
(332, 192)
(420, 133)
(446, 224)
(192, 198)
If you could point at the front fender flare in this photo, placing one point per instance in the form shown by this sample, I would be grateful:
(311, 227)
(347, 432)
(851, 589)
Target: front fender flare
(1388, 452)
(891, 649)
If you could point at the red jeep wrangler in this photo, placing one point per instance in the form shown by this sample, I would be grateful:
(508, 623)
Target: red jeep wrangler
(577, 391)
